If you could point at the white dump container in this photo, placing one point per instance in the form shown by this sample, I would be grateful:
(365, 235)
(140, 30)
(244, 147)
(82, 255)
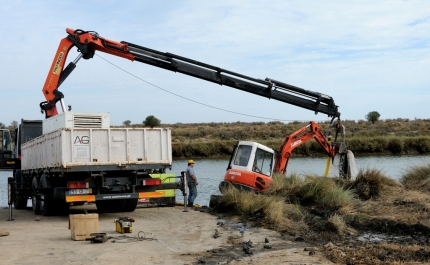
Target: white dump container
(70, 119)
(86, 146)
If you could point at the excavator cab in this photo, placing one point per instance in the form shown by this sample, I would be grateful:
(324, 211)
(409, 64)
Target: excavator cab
(6, 151)
(250, 167)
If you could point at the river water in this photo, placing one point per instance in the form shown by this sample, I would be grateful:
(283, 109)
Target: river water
(211, 171)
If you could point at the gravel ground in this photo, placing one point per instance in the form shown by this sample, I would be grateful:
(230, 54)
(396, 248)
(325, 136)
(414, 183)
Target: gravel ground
(172, 237)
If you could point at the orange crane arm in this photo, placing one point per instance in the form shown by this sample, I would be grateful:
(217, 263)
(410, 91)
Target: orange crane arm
(299, 137)
(87, 42)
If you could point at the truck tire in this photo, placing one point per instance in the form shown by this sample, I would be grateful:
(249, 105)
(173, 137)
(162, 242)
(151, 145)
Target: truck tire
(49, 205)
(46, 205)
(19, 201)
(35, 201)
(46, 202)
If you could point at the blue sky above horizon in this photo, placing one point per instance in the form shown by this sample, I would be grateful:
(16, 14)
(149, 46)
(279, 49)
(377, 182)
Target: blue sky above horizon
(367, 55)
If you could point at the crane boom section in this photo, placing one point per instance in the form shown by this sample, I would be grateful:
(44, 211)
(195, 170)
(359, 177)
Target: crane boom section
(268, 88)
(88, 42)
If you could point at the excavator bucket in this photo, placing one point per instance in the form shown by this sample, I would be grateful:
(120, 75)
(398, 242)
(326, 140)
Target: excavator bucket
(342, 165)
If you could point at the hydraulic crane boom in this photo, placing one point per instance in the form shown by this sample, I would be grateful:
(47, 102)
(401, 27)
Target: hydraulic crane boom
(88, 42)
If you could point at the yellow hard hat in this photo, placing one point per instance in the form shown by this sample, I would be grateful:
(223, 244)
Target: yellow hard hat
(191, 161)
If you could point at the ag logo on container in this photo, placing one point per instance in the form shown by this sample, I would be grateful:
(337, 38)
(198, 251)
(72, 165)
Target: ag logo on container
(81, 147)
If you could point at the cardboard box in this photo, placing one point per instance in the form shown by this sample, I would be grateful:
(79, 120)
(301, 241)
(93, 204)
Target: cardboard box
(82, 225)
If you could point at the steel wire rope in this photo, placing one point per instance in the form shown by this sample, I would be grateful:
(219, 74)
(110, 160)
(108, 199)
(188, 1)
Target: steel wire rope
(197, 102)
(128, 239)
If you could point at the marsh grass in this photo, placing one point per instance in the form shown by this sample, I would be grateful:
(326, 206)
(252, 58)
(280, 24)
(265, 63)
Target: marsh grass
(246, 203)
(417, 178)
(277, 214)
(315, 190)
(337, 223)
(287, 187)
(372, 183)
(324, 192)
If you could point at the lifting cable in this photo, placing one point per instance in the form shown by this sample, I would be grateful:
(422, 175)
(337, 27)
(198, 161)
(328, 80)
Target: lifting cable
(197, 102)
(141, 236)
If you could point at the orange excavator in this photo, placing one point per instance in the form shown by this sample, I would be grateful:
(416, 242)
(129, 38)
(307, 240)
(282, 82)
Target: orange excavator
(252, 165)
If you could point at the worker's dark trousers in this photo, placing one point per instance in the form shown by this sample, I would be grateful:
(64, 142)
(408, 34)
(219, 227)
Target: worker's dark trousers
(192, 190)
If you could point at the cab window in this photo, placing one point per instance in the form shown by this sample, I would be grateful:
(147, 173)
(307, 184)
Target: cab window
(263, 162)
(242, 155)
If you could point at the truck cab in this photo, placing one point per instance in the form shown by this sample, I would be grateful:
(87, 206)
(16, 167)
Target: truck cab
(6, 150)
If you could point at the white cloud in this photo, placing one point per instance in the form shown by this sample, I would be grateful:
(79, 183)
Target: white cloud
(367, 55)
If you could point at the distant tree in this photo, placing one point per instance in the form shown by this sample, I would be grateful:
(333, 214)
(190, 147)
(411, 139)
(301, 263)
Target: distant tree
(151, 121)
(2, 126)
(126, 123)
(14, 124)
(373, 116)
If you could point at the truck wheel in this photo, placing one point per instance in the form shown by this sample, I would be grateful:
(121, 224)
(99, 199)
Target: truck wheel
(35, 201)
(47, 205)
(20, 201)
(130, 205)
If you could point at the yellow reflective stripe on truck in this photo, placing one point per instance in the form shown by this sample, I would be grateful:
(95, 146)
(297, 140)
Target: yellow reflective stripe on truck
(80, 198)
(152, 194)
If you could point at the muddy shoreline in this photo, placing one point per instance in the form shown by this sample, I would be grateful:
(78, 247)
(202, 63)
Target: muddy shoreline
(179, 237)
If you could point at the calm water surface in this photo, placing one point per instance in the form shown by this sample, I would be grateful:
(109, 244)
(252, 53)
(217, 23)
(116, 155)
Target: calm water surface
(211, 171)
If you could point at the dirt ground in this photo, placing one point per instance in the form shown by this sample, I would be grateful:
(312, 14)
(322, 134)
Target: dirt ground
(172, 236)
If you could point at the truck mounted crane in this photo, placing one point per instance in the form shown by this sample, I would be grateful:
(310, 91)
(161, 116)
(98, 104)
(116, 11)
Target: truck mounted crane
(77, 158)
(88, 42)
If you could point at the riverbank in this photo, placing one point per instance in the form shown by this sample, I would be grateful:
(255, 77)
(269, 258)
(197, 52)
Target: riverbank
(370, 220)
(311, 220)
(172, 237)
(216, 140)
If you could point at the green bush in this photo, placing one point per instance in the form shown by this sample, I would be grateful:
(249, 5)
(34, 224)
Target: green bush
(423, 144)
(394, 136)
(395, 145)
(379, 144)
(409, 144)
(203, 149)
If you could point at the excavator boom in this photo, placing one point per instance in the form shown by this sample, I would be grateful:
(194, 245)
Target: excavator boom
(299, 137)
(88, 42)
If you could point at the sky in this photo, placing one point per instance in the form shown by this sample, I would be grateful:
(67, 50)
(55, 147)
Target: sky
(366, 55)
